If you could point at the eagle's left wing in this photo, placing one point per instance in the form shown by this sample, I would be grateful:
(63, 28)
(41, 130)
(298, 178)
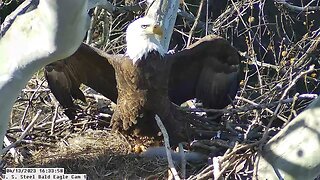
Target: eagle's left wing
(207, 70)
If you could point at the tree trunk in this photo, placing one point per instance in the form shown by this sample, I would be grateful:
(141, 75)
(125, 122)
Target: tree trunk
(165, 12)
(294, 153)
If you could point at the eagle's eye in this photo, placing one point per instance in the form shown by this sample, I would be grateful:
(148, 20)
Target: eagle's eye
(144, 26)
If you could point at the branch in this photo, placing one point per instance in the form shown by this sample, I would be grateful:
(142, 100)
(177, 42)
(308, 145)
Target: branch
(108, 6)
(165, 12)
(252, 105)
(21, 9)
(167, 146)
(24, 133)
(298, 8)
(195, 23)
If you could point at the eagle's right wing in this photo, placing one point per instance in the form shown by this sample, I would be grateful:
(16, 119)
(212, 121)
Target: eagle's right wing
(86, 66)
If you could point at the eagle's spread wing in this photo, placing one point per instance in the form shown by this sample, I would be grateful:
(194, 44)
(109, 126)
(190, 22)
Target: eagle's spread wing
(207, 70)
(86, 66)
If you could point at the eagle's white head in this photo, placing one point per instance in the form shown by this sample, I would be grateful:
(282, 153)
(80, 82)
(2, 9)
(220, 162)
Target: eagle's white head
(142, 38)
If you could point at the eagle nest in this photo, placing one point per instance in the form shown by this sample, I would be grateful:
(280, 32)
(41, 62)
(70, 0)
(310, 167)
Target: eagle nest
(280, 78)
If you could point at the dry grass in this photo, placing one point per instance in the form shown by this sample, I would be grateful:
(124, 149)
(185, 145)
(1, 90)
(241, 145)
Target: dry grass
(85, 146)
(100, 155)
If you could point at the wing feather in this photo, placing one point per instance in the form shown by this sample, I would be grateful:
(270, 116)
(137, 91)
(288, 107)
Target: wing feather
(86, 66)
(207, 70)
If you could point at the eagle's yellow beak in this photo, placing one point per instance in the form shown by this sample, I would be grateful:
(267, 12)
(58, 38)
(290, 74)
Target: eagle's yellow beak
(156, 29)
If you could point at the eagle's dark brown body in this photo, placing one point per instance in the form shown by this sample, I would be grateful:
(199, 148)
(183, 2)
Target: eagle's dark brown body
(142, 93)
(207, 70)
(140, 88)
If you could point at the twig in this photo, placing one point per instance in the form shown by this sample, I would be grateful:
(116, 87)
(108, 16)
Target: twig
(12, 151)
(203, 174)
(294, 81)
(24, 133)
(167, 146)
(108, 6)
(267, 109)
(92, 23)
(22, 122)
(54, 118)
(253, 105)
(183, 161)
(297, 8)
(216, 167)
(195, 23)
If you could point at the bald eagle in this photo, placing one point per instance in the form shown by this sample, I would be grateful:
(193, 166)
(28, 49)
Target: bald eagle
(145, 80)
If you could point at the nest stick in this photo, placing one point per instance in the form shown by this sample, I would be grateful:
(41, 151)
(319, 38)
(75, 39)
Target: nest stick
(167, 146)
